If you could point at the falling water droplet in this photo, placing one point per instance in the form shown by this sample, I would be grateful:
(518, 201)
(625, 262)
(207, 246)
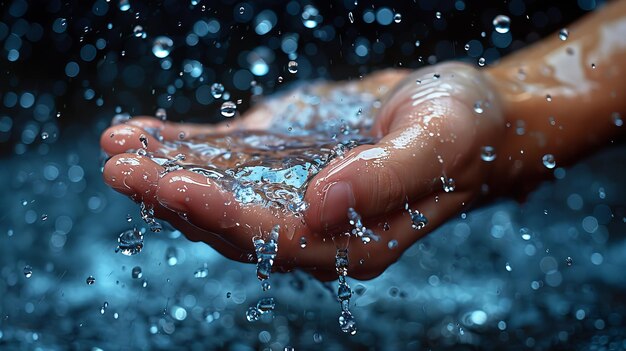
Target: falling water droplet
(438, 15)
(303, 242)
(161, 114)
(138, 32)
(392, 244)
(481, 61)
(124, 5)
(28, 271)
(217, 90)
(448, 184)
(548, 161)
(253, 314)
(397, 18)
(502, 24)
(478, 107)
(292, 67)
(265, 285)
(136, 273)
(241, 10)
(347, 323)
(508, 267)
(228, 109)
(44, 217)
(44, 135)
(563, 34)
(617, 119)
(201, 272)
(487, 153)
(569, 261)
(417, 43)
(525, 233)
(266, 304)
(171, 256)
(91, 280)
(104, 307)
(311, 17)
(130, 242)
(351, 17)
(162, 46)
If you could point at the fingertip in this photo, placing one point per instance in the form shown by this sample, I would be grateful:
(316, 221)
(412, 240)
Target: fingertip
(132, 175)
(124, 137)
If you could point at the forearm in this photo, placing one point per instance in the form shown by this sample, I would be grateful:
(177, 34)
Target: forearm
(562, 97)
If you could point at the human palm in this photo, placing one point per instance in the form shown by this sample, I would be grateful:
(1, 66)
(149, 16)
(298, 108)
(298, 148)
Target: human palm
(411, 134)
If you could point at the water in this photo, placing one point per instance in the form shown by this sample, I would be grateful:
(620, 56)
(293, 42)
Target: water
(162, 46)
(418, 220)
(549, 161)
(359, 229)
(502, 24)
(130, 242)
(228, 109)
(488, 153)
(564, 34)
(217, 90)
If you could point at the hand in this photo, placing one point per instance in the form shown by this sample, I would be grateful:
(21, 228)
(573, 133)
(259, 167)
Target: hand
(427, 130)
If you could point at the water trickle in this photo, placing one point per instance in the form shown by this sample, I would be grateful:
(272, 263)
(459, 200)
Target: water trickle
(359, 229)
(501, 24)
(130, 242)
(266, 253)
(162, 46)
(228, 109)
(347, 323)
(487, 153)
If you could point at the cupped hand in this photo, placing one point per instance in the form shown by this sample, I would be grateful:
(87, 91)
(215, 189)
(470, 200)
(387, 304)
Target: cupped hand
(431, 130)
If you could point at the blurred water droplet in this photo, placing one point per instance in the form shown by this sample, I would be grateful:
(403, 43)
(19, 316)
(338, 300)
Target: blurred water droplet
(217, 90)
(44, 135)
(136, 273)
(397, 18)
(44, 217)
(161, 114)
(292, 67)
(617, 119)
(171, 256)
(438, 15)
(228, 109)
(392, 244)
(548, 161)
(201, 272)
(525, 233)
(563, 34)
(228, 295)
(138, 32)
(311, 17)
(104, 307)
(487, 153)
(478, 107)
(162, 46)
(508, 267)
(502, 24)
(417, 43)
(548, 98)
(481, 61)
(90, 280)
(130, 242)
(569, 261)
(351, 17)
(124, 5)
(28, 271)
(241, 10)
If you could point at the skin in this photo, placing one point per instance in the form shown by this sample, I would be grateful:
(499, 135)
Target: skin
(428, 127)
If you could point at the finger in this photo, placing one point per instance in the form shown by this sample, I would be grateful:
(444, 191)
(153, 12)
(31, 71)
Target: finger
(172, 131)
(123, 138)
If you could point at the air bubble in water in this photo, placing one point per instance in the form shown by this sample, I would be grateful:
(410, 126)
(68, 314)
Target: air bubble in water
(487, 153)
(228, 109)
(448, 184)
(397, 18)
(162, 46)
(28, 271)
(292, 67)
(217, 90)
(502, 24)
(130, 242)
(563, 34)
(311, 17)
(548, 161)
(136, 273)
(90, 280)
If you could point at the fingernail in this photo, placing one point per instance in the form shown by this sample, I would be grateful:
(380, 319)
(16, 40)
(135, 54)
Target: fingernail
(339, 197)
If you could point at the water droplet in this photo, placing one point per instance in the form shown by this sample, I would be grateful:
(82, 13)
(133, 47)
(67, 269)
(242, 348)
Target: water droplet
(28, 271)
(467, 47)
(392, 244)
(617, 119)
(448, 184)
(569, 261)
(171, 256)
(44, 135)
(241, 10)
(502, 24)
(228, 295)
(91, 280)
(360, 230)
(508, 267)
(525, 233)
(478, 107)
(347, 323)
(44, 217)
(181, 135)
(549, 98)
(228, 109)
(311, 17)
(386, 226)
(162, 46)
(104, 307)
(124, 5)
(438, 15)
(292, 67)
(563, 34)
(303, 242)
(266, 304)
(136, 273)
(481, 61)
(351, 17)
(265, 285)
(144, 141)
(265, 253)
(548, 161)
(138, 32)
(217, 90)
(161, 114)
(253, 314)
(130, 242)
(417, 43)
(397, 18)
(201, 272)
(487, 153)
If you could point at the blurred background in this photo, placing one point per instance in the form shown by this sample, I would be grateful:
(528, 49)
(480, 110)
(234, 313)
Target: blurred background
(545, 274)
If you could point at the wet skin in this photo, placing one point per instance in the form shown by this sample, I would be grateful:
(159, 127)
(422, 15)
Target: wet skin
(427, 127)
